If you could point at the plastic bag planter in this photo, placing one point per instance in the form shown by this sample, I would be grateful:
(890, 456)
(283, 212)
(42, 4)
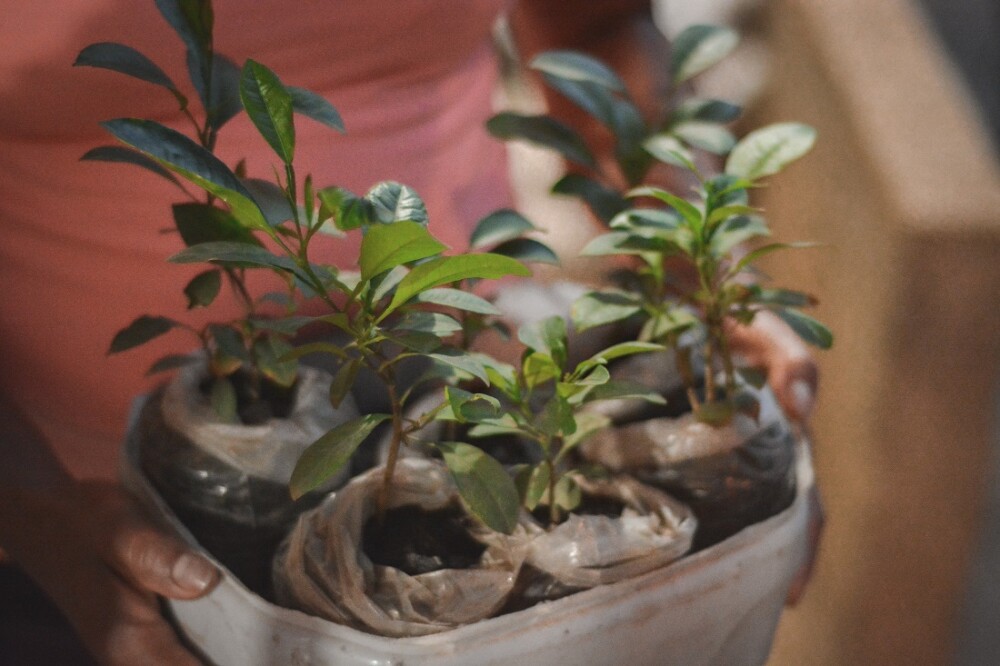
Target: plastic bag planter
(719, 606)
(228, 482)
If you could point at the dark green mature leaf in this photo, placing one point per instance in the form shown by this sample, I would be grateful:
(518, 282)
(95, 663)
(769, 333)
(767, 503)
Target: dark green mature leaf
(193, 21)
(619, 242)
(271, 355)
(641, 220)
(234, 254)
(625, 349)
(576, 66)
(709, 110)
(428, 322)
(768, 150)
(782, 297)
(598, 308)
(172, 362)
(473, 407)
(807, 328)
(314, 106)
(602, 200)
(556, 417)
(140, 331)
(394, 202)
(343, 381)
(271, 200)
(535, 483)
(446, 270)
(269, 106)
(464, 361)
(485, 487)
(498, 227)
(204, 223)
(458, 299)
(126, 60)
(527, 250)
(124, 155)
(386, 246)
(329, 453)
(602, 104)
(699, 47)
(225, 94)
(737, 230)
(203, 288)
(613, 390)
(186, 158)
(543, 131)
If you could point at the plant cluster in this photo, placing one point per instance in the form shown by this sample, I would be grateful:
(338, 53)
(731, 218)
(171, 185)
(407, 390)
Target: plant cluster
(690, 268)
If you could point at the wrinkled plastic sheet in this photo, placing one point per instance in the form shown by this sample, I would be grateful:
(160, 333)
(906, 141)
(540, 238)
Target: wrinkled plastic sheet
(731, 476)
(322, 568)
(229, 482)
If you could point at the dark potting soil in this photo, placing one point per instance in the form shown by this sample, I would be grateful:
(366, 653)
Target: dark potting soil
(416, 541)
(590, 505)
(269, 401)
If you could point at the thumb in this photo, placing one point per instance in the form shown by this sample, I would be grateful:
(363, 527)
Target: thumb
(144, 554)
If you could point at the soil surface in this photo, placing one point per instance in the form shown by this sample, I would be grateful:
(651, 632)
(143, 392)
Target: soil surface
(418, 541)
(255, 407)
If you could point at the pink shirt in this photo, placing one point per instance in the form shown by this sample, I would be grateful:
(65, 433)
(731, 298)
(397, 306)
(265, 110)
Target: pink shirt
(81, 248)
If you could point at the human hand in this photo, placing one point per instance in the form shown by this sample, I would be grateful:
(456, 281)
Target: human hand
(105, 567)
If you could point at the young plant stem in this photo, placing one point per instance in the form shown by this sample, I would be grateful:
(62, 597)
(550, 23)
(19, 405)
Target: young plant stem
(710, 368)
(687, 376)
(553, 508)
(382, 504)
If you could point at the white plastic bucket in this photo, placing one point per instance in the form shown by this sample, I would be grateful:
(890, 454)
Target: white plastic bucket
(719, 606)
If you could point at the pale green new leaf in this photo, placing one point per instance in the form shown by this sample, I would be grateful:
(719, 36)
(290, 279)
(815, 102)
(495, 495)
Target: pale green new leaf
(446, 270)
(458, 299)
(386, 246)
(768, 150)
(598, 308)
(699, 47)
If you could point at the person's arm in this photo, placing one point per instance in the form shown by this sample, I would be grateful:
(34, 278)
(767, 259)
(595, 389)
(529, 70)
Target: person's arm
(92, 552)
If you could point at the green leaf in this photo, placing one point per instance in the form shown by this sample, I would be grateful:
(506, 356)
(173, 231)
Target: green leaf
(428, 322)
(710, 137)
(124, 155)
(234, 254)
(699, 47)
(314, 106)
(598, 308)
(393, 202)
(556, 417)
(458, 299)
(269, 106)
(387, 282)
(485, 487)
(807, 328)
(225, 93)
(204, 223)
(587, 424)
(473, 407)
(625, 349)
(348, 210)
(687, 210)
(126, 60)
(567, 493)
(343, 381)
(271, 200)
(386, 246)
(782, 297)
(603, 201)
(536, 486)
(614, 390)
(140, 331)
(616, 242)
(203, 288)
(528, 251)
(547, 336)
(271, 354)
(708, 110)
(576, 66)
(193, 21)
(668, 149)
(172, 362)
(538, 368)
(186, 158)
(669, 323)
(223, 400)
(737, 230)
(468, 363)
(329, 453)
(768, 150)
(446, 270)
(498, 227)
(543, 131)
